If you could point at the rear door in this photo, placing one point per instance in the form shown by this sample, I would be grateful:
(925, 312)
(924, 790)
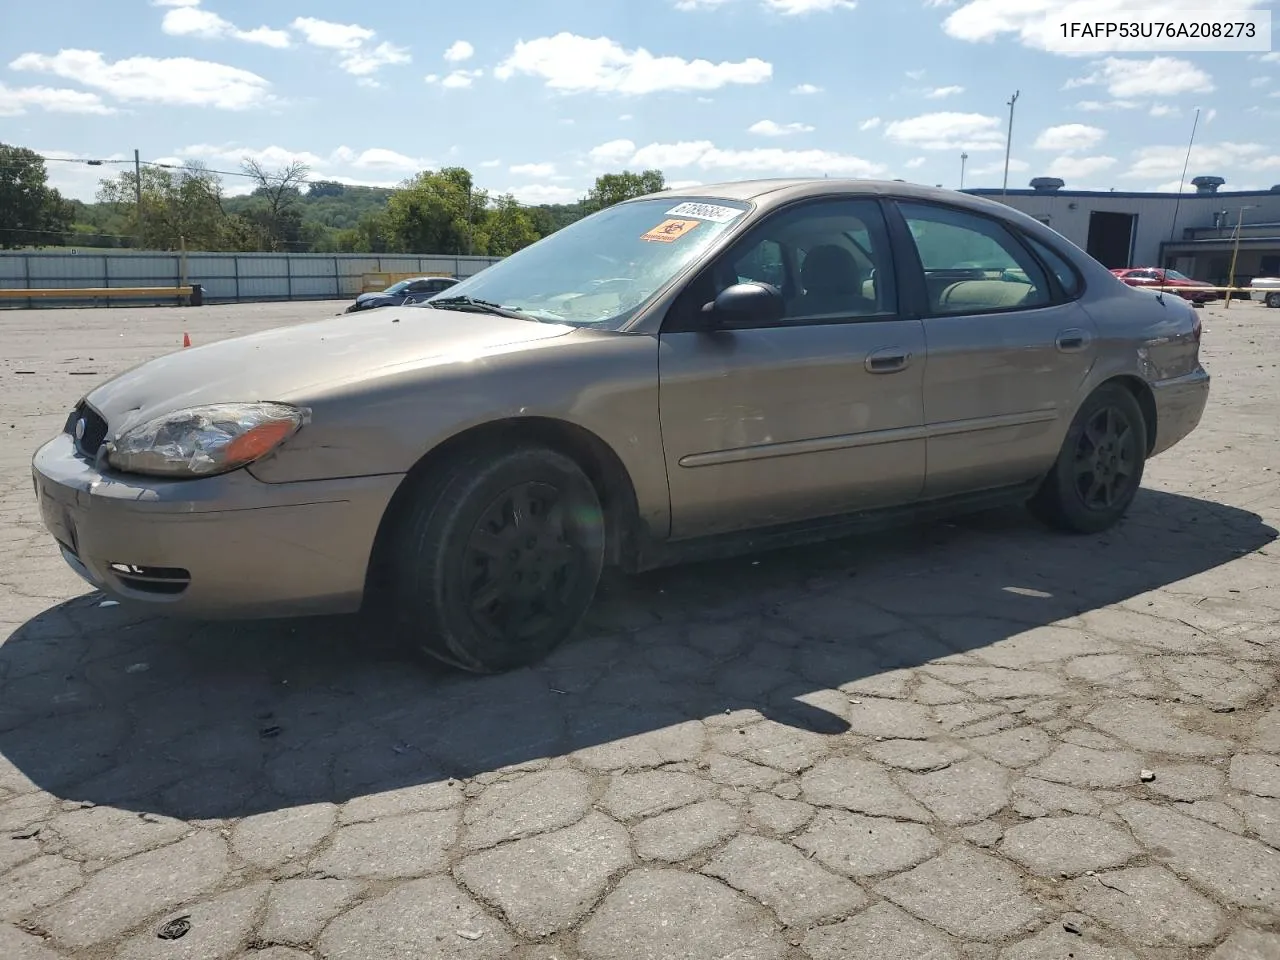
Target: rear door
(1009, 348)
(814, 416)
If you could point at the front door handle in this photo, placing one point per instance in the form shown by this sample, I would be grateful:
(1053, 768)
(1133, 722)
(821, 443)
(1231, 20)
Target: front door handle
(1072, 341)
(888, 360)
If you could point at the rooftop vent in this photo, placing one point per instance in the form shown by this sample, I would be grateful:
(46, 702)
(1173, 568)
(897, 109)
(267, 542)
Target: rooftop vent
(1047, 184)
(1207, 184)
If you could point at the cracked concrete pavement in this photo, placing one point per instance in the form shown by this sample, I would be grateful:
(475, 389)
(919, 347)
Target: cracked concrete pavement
(970, 741)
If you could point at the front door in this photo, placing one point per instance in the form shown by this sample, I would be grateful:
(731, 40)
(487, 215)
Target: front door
(817, 415)
(1009, 349)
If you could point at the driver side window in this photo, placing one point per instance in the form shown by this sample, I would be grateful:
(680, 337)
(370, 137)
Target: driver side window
(829, 259)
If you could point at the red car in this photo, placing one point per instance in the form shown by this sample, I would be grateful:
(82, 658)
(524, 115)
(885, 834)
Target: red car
(1197, 291)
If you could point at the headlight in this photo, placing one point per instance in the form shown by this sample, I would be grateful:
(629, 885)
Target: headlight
(207, 440)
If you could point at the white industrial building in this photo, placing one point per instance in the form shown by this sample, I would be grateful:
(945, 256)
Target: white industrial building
(1193, 234)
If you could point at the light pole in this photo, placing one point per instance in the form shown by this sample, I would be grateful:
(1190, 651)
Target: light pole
(1008, 144)
(963, 158)
(1235, 251)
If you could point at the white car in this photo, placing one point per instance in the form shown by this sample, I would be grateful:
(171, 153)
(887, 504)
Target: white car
(1267, 289)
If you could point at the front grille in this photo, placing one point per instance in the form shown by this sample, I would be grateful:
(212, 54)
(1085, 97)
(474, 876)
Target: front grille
(95, 429)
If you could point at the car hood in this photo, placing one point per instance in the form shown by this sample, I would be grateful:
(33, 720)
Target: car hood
(283, 363)
(377, 295)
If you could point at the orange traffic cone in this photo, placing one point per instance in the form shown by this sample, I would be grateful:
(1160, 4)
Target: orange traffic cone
(186, 340)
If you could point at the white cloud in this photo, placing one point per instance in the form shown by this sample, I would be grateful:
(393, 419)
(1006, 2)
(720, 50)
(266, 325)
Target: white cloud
(788, 8)
(536, 193)
(361, 63)
(771, 128)
(323, 167)
(938, 93)
(806, 89)
(915, 163)
(332, 36)
(533, 170)
(458, 51)
(491, 163)
(178, 81)
(1069, 137)
(683, 184)
(915, 74)
(1079, 168)
(948, 131)
(187, 19)
(1101, 105)
(1015, 166)
(572, 64)
(354, 44)
(381, 158)
(705, 155)
(16, 101)
(1038, 23)
(456, 79)
(869, 124)
(624, 116)
(1157, 77)
(1157, 163)
(78, 180)
(1272, 57)
(1163, 110)
(1259, 81)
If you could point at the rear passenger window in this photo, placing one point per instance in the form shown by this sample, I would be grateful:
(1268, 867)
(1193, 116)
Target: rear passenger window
(1058, 266)
(972, 264)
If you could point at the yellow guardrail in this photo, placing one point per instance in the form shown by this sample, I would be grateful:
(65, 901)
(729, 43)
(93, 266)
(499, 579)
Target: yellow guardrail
(49, 293)
(377, 282)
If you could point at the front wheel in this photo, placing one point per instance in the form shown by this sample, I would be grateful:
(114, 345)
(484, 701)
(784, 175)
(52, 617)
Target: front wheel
(1273, 299)
(498, 559)
(1099, 468)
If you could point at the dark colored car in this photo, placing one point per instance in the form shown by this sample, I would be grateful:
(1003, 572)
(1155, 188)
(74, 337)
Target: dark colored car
(406, 291)
(1154, 278)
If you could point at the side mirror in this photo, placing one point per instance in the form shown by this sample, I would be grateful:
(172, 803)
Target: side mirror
(746, 305)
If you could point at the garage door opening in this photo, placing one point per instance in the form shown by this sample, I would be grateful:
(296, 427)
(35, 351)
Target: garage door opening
(1111, 238)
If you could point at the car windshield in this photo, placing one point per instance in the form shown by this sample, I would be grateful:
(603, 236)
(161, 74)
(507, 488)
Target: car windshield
(397, 287)
(1175, 275)
(600, 270)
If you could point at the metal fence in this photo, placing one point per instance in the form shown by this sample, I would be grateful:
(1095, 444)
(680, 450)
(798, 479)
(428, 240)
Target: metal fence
(223, 277)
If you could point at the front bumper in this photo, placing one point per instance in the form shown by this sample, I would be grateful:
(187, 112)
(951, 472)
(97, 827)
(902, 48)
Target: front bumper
(218, 547)
(1180, 403)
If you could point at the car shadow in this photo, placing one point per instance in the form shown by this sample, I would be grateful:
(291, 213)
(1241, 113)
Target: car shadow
(105, 704)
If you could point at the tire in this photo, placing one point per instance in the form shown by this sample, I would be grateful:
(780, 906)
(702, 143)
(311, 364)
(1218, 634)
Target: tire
(1273, 299)
(1082, 494)
(497, 559)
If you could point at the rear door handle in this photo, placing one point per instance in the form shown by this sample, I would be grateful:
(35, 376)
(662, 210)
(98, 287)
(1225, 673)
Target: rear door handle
(888, 360)
(1072, 341)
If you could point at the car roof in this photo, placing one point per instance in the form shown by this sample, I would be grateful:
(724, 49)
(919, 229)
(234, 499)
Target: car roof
(769, 192)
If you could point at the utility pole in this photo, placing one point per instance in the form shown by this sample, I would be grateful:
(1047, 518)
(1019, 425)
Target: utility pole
(137, 187)
(963, 158)
(1008, 144)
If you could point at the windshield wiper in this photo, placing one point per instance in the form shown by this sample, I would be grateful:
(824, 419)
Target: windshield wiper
(479, 306)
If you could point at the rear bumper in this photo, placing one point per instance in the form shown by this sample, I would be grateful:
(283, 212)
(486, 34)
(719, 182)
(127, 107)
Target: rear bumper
(215, 548)
(1180, 404)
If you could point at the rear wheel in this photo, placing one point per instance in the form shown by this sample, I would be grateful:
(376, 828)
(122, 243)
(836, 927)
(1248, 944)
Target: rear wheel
(1099, 468)
(1273, 299)
(498, 559)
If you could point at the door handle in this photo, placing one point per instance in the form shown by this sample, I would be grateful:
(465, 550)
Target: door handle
(888, 360)
(1072, 341)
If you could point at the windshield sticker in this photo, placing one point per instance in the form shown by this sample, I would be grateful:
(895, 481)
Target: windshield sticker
(705, 211)
(669, 231)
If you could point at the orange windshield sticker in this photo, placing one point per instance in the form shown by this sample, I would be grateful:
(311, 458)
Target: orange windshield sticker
(668, 231)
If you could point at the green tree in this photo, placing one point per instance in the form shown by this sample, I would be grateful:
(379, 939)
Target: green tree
(31, 212)
(278, 195)
(177, 206)
(436, 212)
(611, 188)
(507, 227)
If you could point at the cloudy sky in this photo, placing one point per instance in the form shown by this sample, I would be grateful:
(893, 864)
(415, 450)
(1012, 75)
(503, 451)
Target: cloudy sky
(538, 98)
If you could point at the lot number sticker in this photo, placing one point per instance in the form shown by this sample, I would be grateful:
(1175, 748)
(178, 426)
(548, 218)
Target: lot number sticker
(669, 231)
(705, 211)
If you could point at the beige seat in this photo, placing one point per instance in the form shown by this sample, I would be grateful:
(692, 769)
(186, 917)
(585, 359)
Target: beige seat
(967, 295)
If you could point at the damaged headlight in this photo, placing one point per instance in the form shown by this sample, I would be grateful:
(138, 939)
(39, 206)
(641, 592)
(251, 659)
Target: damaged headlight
(206, 440)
